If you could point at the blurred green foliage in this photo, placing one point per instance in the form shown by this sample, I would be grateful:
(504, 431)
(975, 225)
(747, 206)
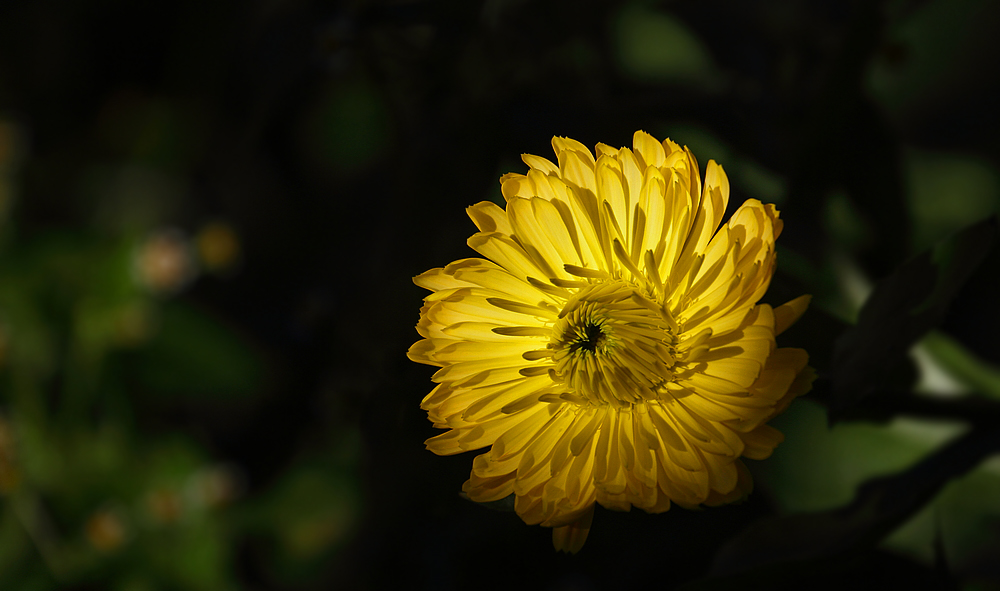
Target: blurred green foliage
(93, 330)
(189, 343)
(948, 192)
(348, 129)
(655, 46)
(932, 51)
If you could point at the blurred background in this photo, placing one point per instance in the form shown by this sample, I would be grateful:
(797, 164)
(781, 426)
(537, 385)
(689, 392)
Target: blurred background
(210, 213)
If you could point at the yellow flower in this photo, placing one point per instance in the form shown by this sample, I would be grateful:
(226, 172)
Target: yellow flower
(609, 347)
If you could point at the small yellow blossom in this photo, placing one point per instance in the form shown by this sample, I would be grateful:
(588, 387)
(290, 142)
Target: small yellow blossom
(164, 262)
(105, 530)
(218, 246)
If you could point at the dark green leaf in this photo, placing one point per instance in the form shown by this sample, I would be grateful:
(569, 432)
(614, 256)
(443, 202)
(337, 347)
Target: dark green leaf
(881, 505)
(902, 309)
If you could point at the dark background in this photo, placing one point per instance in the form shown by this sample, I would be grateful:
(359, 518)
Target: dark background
(331, 149)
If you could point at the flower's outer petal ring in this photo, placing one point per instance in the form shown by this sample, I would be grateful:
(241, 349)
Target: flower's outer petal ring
(570, 538)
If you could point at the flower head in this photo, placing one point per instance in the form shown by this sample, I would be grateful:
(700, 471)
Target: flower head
(609, 347)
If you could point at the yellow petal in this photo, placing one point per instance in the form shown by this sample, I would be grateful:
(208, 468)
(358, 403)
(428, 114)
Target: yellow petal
(786, 314)
(761, 442)
(488, 217)
(570, 538)
(503, 250)
(561, 144)
(543, 165)
(648, 149)
(578, 170)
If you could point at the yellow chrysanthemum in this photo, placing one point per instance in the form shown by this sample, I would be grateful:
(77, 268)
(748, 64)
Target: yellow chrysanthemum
(609, 347)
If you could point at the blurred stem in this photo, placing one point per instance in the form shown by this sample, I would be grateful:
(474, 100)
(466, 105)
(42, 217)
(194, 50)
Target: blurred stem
(29, 511)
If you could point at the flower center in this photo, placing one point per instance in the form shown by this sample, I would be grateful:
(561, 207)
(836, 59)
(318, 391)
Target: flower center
(613, 344)
(590, 338)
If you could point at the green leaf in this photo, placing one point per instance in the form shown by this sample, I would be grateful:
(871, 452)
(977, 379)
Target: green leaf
(880, 506)
(963, 364)
(653, 45)
(902, 308)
